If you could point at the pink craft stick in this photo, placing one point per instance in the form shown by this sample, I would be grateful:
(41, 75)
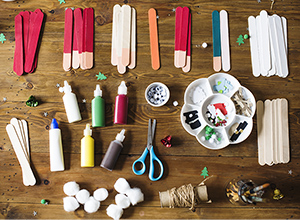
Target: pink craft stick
(78, 28)
(187, 66)
(26, 22)
(18, 57)
(89, 37)
(67, 58)
(184, 29)
(83, 61)
(75, 54)
(178, 17)
(33, 39)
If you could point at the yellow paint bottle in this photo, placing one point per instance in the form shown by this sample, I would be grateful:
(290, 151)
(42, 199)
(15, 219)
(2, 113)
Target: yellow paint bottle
(87, 148)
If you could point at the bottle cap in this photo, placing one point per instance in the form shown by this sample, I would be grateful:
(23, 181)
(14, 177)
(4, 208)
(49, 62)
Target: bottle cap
(122, 89)
(67, 88)
(120, 136)
(98, 91)
(54, 124)
(87, 130)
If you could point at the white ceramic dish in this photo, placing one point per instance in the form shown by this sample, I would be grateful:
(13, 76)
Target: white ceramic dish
(201, 93)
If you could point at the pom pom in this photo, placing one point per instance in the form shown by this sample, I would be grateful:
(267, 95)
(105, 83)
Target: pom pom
(121, 185)
(122, 201)
(92, 205)
(82, 196)
(70, 204)
(71, 188)
(100, 194)
(135, 195)
(114, 211)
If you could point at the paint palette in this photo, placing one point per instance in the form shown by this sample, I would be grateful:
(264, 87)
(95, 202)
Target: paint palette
(210, 111)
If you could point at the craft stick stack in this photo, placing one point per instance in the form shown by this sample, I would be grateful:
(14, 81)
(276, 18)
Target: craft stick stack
(221, 47)
(27, 33)
(78, 39)
(273, 132)
(268, 45)
(182, 55)
(123, 48)
(17, 131)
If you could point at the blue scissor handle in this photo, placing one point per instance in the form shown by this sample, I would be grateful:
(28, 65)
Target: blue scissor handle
(153, 158)
(142, 161)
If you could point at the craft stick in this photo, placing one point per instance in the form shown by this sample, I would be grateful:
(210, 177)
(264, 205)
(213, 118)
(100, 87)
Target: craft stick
(23, 139)
(216, 41)
(284, 27)
(25, 129)
(225, 50)
(280, 133)
(268, 131)
(121, 68)
(260, 131)
(75, 53)
(273, 70)
(152, 17)
(18, 66)
(187, 66)
(285, 130)
(83, 61)
(263, 72)
(126, 32)
(17, 128)
(133, 40)
(183, 37)
(32, 17)
(178, 17)
(254, 46)
(275, 131)
(114, 56)
(89, 38)
(33, 40)
(78, 29)
(29, 179)
(266, 54)
(26, 22)
(67, 61)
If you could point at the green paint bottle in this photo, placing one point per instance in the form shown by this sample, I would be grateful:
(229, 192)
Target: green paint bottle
(98, 109)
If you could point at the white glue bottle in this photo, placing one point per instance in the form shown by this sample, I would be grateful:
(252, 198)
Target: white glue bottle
(70, 102)
(56, 150)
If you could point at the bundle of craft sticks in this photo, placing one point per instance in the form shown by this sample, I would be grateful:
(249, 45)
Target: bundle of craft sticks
(123, 47)
(17, 131)
(27, 33)
(78, 39)
(268, 45)
(273, 132)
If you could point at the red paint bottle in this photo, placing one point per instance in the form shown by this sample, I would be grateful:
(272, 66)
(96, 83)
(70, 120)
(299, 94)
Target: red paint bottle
(121, 105)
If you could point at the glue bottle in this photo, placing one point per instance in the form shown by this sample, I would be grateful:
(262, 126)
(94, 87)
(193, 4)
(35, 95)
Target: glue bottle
(87, 148)
(56, 150)
(70, 102)
(121, 105)
(113, 152)
(98, 108)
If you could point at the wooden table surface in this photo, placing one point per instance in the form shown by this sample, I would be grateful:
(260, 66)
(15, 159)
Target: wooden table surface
(186, 158)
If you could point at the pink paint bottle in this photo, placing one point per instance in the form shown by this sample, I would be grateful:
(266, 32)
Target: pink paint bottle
(121, 105)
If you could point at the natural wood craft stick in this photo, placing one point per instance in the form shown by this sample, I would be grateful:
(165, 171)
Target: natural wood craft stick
(285, 130)
(260, 132)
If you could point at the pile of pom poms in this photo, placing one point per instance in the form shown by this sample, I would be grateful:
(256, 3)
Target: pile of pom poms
(75, 197)
(126, 196)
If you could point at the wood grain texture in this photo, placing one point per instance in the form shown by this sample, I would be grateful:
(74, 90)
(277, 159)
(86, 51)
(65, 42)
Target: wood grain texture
(186, 158)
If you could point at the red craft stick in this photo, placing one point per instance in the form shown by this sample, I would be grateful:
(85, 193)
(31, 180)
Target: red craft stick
(83, 62)
(183, 36)
(34, 34)
(18, 57)
(178, 16)
(67, 61)
(187, 66)
(88, 37)
(26, 22)
(78, 28)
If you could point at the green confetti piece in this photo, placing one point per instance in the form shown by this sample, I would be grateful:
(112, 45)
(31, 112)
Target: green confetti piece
(101, 76)
(2, 38)
(219, 82)
(61, 1)
(240, 40)
(204, 172)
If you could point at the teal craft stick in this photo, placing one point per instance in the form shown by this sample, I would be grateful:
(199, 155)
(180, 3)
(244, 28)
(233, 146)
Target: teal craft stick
(216, 34)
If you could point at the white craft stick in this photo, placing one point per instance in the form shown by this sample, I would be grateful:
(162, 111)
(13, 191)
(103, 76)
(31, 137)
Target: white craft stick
(28, 176)
(225, 50)
(16, 125)
(120, 66)
(254, 46)
(133, 40)
(25, 128)
(268, 133)
(282, 61)
(275, 131)
(274, 46)
(114, 56)
(260, 42)
(260, 131)
(126, 33)
(285, 130)
(266, 53)
(284, 27)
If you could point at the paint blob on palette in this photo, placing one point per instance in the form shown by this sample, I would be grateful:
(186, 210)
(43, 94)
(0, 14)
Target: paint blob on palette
(209, 114)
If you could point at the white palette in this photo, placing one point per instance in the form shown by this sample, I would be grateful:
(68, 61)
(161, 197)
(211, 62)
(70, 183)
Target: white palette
(193, 112)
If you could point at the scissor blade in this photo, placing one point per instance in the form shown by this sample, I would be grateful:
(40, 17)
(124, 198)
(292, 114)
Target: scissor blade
(149, 140)
(153, 129)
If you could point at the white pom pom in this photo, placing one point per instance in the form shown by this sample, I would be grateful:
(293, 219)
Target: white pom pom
(135, 195)
(71, 188)
(100, 194)
(82, 196)
(70, 204)
(121, 185)
(122, 201)
(114, 211)
(92, 205)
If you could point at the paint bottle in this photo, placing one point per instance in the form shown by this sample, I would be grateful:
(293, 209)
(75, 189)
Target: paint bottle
(121, 105)
(98, 108)
(56, 150)
(113, 152)
(70, 102)
(87, 148)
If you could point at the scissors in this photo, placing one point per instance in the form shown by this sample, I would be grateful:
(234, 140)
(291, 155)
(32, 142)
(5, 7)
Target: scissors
(153, 157)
